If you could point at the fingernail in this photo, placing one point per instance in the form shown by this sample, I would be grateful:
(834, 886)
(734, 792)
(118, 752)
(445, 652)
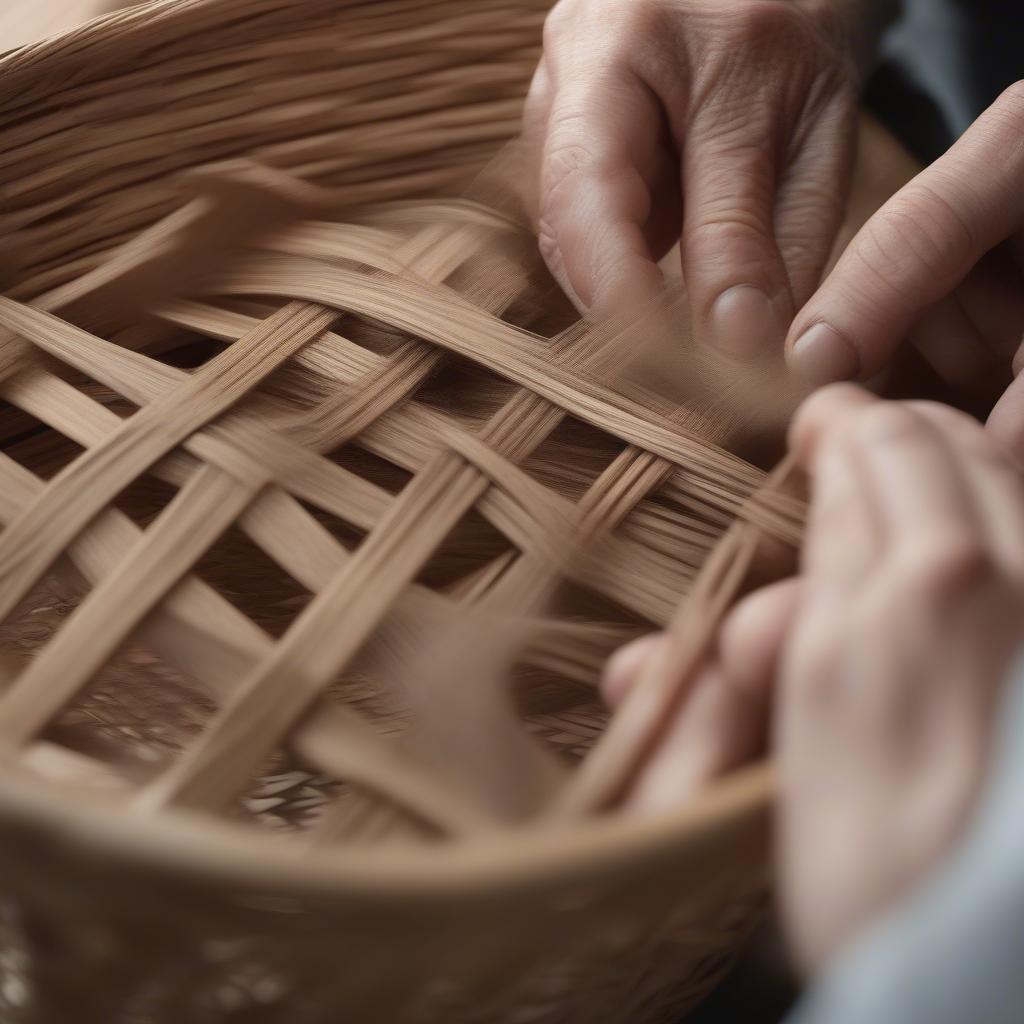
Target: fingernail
(743, 322)
(822, 355)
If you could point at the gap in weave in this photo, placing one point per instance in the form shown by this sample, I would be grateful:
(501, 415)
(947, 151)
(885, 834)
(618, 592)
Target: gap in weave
(358, 817)
(138, 714)
(543, 309)
(567, 716)
(98, 392)
(683, 520)
(286, 795)
(145, 498)
(289, 795)
(464, 391)
(37, 618)
(135, 715)
(41, 449)
(182, 350)
(572, 457)
(575, 602)
(471, 546)
(250, 580)
(372, 467)
(16, 426)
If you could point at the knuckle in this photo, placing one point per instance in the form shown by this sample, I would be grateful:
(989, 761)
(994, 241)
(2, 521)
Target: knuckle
(642, 19)
(995, 463)
(563, 165)
(921, 221)
(787, 34)
(812, 201)
(730, 232)
(547, 241)
(729, 224)
(868, 270)
(623, 23)
(563, 157)
(603, 275)
(884, 423)
(606, 268)
(765, 19)
(973, 441)
(557, 24)
(940, 222)
(941, 562)
(814, 668)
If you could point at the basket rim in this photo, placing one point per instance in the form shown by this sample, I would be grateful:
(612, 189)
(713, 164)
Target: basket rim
(731, 811)
(81, 47)
(210, 851)
(97, 31)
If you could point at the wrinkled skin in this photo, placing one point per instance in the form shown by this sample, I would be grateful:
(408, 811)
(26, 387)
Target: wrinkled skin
(944, 257)
(730, 125)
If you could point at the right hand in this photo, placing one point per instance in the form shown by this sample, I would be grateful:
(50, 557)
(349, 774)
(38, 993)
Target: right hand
(943, 259)
(888, 656)
(911, 610)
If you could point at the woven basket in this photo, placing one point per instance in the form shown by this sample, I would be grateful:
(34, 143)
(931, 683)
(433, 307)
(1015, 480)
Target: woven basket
(307, 579)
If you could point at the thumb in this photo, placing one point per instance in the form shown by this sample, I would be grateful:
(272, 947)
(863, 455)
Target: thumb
(915, 250)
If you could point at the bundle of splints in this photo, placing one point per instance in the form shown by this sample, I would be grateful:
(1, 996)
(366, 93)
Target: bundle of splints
(321, 511)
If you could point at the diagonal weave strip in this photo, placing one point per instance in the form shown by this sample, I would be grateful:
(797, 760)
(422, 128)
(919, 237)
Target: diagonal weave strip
(249, 457)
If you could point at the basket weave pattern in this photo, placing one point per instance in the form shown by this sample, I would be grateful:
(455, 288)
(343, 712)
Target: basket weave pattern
(313, 573)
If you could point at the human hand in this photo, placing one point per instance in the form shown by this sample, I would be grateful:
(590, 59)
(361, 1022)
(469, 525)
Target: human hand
(730, 124)
(941, 263)
(912, 594)
(887, 654)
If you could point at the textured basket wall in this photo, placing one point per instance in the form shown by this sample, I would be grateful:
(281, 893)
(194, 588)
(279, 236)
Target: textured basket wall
(307, 579)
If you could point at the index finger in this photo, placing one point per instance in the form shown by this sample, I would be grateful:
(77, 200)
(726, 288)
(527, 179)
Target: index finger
(594, 200)
(915, 250)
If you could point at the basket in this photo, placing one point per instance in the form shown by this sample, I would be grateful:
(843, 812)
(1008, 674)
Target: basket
(312, 552)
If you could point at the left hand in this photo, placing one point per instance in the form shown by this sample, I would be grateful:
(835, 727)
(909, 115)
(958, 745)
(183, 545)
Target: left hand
(942, 260)
(730, 125)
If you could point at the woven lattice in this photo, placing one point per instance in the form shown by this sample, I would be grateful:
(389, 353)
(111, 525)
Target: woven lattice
(321, 513)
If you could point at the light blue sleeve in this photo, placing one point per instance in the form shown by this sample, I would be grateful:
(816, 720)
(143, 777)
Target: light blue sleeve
(954, 953)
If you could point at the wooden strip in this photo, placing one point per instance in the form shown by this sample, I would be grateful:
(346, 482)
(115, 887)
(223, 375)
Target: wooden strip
(274, 697)
(216, 644)
(397, 438)
(616, 758)
(628, 572)
(33, 541)
(165, 553)
(461, 327)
